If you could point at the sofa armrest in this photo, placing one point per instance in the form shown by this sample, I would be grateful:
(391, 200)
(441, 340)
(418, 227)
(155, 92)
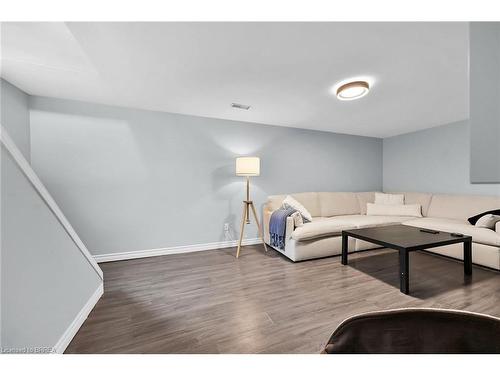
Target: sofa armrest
(497, 227)
(266, 217)
(290, 227)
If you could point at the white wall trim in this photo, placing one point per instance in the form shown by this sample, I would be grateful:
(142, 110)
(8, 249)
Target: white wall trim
(30, 174)
(100, 258)
(75, 325)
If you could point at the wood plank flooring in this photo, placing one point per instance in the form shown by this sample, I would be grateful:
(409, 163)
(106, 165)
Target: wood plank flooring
(211, 302)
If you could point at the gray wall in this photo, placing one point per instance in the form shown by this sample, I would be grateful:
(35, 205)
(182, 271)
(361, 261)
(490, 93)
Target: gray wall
(432, 160)
(15, 116)
(45, 280)
(485, 101)
(131, 180)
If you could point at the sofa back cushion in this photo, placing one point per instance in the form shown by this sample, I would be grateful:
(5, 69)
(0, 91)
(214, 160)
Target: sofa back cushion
(461, 206)
(386, 198)
(338, 203)
(308, 200)
(363, 199)
(423, 199)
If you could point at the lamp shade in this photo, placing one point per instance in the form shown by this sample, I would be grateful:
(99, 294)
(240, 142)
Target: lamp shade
(248, 166)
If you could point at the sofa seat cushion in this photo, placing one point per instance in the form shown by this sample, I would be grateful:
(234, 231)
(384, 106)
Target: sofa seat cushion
(479, 235)
(333, 226)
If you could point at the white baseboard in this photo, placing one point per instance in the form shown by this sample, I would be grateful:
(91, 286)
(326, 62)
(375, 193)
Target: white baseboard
(73, 328)
(100, 258)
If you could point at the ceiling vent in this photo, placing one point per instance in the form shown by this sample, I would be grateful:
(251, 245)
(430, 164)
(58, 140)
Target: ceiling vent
(240, 106)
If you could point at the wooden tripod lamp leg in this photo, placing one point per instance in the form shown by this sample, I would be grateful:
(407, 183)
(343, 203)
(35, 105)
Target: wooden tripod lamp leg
(248, 200)
(243, 219)
(258, 225)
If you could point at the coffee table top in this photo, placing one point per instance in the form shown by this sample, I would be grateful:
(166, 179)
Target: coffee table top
(404, 237)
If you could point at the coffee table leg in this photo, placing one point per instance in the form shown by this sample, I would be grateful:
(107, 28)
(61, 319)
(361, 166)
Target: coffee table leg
(404, 272)
(468, 257)
(344, 248)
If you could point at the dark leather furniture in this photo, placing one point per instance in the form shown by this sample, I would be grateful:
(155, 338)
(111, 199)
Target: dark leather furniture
(416, 330)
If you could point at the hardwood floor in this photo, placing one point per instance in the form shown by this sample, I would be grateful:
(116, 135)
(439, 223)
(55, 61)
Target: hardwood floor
(211, 302)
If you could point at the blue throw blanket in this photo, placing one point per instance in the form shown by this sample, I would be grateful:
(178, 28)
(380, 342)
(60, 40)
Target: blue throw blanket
(277, 226)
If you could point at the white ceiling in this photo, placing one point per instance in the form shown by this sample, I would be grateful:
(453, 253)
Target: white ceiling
(285, 71)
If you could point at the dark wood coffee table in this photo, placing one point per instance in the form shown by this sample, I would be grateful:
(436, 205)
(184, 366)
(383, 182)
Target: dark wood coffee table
(405, 239)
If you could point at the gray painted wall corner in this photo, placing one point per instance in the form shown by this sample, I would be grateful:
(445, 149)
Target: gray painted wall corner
(46, 282)
(485, 102)
(434, 160)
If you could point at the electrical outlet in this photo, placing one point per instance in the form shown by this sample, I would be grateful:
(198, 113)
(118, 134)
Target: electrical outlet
(226, 227)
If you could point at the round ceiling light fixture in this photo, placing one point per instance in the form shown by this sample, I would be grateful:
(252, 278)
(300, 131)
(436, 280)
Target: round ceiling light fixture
(352, 90)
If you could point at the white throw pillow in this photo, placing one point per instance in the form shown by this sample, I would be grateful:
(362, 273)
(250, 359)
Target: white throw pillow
(382, 198)
(487, 221)
(394, 209)
(291, 202)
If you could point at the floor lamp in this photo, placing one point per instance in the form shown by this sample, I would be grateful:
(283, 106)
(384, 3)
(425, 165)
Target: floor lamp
(248, 167)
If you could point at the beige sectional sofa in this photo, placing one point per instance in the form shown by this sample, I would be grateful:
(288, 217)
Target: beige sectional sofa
(336, 211)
